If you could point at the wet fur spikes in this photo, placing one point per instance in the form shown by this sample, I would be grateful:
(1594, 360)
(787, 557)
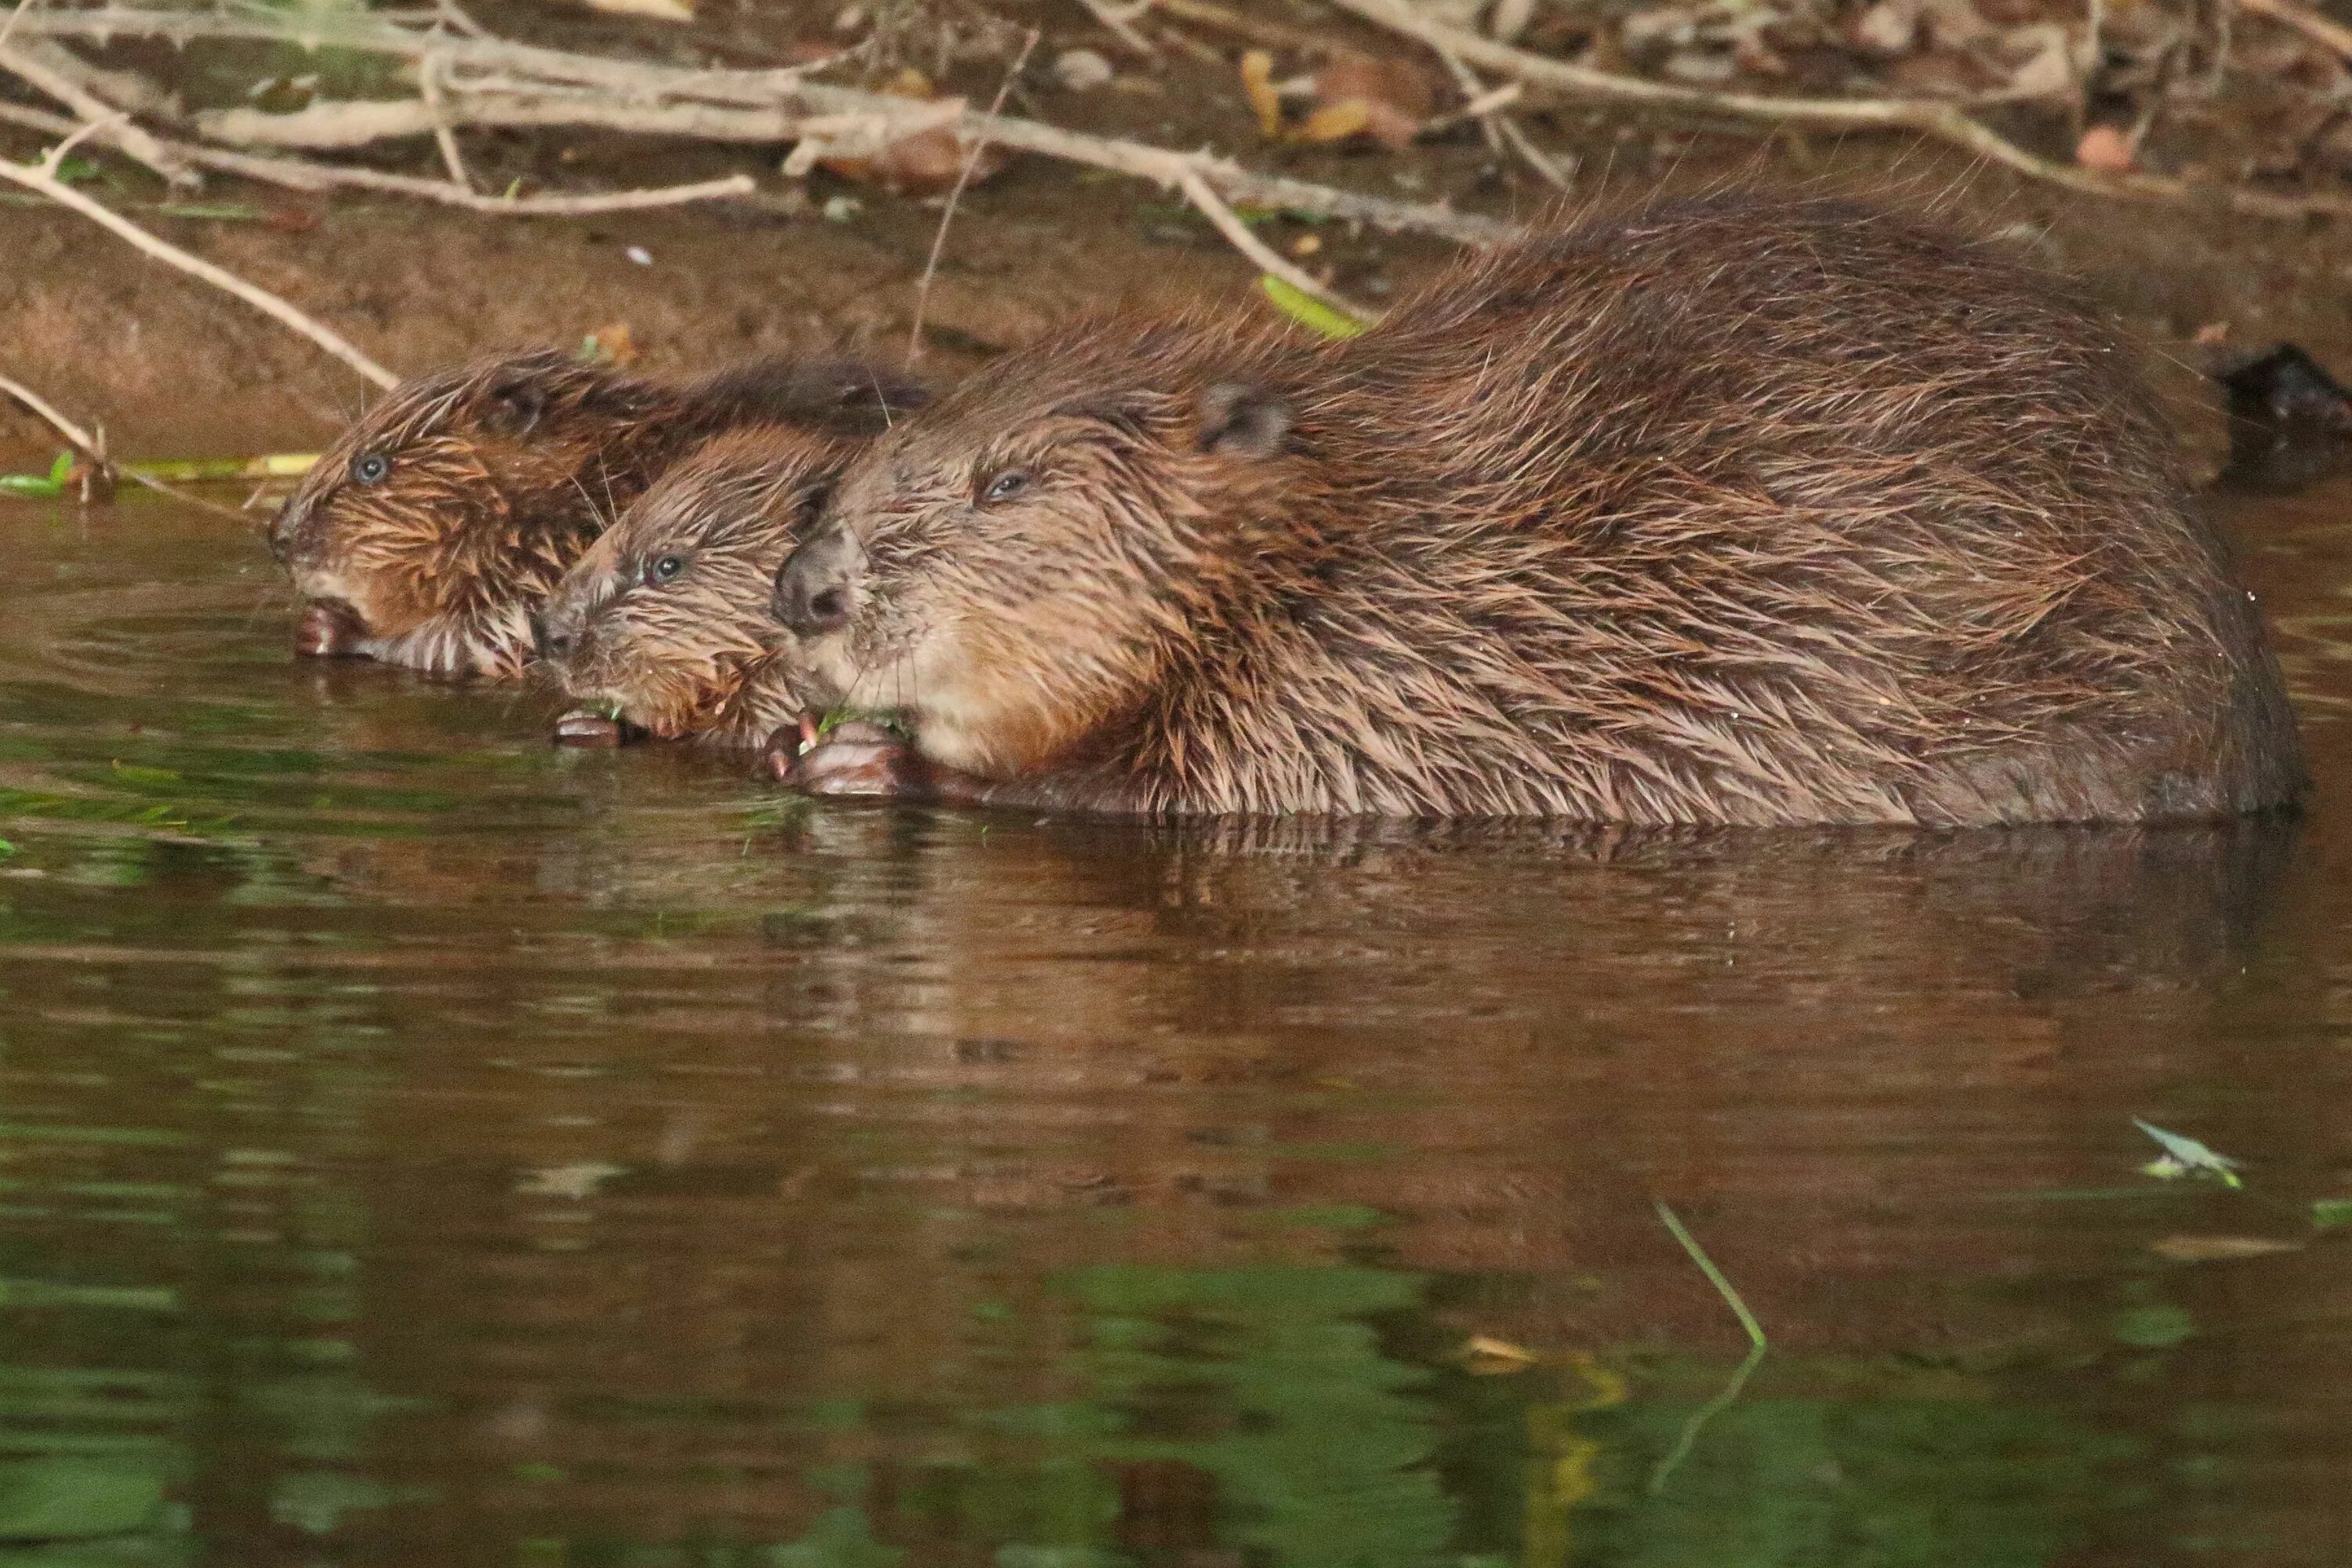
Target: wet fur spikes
(1743, 511)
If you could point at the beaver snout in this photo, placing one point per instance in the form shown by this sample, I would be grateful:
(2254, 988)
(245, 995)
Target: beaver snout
(814, 585)
(284, 527)
(552, 635)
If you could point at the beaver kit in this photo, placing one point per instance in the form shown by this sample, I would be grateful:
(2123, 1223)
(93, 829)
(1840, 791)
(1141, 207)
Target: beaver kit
(1735, 512)
(432, 528)
(664, 623)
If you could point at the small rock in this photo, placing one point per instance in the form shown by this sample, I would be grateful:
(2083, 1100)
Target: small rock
(841, 209)
(640, 255)
(1082, 71)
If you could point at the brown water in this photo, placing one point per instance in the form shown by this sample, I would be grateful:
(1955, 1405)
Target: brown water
(419, 1145)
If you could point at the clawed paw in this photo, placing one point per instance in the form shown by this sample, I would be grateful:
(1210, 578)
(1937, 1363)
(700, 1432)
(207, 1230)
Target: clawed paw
(329, 631)
(855, 759)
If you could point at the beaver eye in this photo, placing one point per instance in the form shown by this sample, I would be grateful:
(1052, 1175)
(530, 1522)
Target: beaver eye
(662, 568)
(1004, 486)
(370, 468)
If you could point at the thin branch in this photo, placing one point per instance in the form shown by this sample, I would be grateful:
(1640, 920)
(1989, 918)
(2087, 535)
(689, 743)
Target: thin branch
(947, 216)
(302, 175)
(1229, 224)
(1120, 20)
(133, 143)
(1503, 131)
(1923, 117)
(358, 124)
(428, 82)
(75, 437)
(727, 105)
(91, 448)
(43, 179)
(2303, 20)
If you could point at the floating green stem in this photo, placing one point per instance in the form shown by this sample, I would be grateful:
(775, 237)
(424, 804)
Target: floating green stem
(1756, 1348)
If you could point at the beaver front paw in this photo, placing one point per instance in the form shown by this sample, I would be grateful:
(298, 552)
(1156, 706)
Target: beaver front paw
(854, 758)
(329, 631)
(586, 727)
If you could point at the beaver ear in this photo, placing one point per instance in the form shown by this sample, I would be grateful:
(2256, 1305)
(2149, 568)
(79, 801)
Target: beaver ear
(1242, 421)
(515, 407)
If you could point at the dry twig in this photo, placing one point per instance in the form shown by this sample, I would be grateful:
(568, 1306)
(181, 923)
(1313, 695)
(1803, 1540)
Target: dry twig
(302, 175)
(946, 215)
(42, 179)
(1923, 117)
(26, 64)
(1229, 224)
(94, 448)
(1120, 20)
(2303, 20)
(552, 87)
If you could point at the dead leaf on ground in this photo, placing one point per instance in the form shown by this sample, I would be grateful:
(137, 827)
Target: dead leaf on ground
(2219, 1248)
(2212, 332)
(1257, 83)
(2106, 147)
(927, 164)
(1392, 97)
(612, 344)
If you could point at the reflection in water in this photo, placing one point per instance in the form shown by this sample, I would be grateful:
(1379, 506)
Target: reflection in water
(419, 1145)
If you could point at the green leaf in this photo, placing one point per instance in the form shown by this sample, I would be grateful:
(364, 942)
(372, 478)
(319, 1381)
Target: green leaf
(1307, 310)
(2329, 1213)
(75, 1498)
(8, 850)
(2183, 1155)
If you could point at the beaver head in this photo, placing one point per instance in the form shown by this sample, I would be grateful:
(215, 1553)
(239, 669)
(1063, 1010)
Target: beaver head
(1014, 568)
(427, 531)
(666, 618)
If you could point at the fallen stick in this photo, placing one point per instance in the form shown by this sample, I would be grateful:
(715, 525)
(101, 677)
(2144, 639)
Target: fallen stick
(42, 178)
(1923, 117)
(354, 124)
(302, 175)
(91, 448)
(2309, 23)
(946, 215)
(133, 143)
(1229, 224)
(755, 106)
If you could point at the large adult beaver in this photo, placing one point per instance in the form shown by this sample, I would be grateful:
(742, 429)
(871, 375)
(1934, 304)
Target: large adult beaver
(665, 621)
(1741, 510)
(433, 528)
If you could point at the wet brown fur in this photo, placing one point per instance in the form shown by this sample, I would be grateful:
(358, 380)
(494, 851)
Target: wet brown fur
(1742, 510)
(501, 472)
(697, 655)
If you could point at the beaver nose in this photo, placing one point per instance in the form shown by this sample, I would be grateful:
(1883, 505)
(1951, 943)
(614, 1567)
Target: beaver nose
(282, 530)
(550, 635)
(813, 587)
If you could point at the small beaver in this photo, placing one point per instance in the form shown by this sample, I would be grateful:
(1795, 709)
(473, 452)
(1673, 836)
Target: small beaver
(430, 530)
(665, 619)
(1739, 511)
